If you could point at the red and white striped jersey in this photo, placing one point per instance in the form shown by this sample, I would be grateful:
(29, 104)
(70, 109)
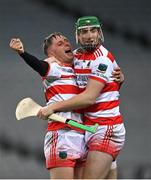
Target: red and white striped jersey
(59, 85)
(99, 65)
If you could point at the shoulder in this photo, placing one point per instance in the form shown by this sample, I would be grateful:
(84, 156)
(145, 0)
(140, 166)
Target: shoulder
(107, 53)
(102, 61)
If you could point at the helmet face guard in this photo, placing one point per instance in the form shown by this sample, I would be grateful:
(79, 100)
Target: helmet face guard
(88, 21)
(89, 47)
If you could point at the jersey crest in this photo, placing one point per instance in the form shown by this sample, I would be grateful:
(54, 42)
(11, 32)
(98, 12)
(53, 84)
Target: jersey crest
(102, 68)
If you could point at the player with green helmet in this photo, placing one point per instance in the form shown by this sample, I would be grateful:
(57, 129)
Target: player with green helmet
(89, 22)
(90, 36)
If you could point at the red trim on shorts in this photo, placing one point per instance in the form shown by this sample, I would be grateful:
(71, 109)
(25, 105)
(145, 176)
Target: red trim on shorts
(53, 148)
(106, 145)
(107, 136)
(108, 150)
(60, 163)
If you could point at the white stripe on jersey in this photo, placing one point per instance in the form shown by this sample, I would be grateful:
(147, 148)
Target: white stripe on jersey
(105, 113)
(108, 96)
(60, 97)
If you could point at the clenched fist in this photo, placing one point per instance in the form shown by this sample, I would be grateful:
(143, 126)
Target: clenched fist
(17, 45)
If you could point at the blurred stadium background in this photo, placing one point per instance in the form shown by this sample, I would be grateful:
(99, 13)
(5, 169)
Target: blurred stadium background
(126, 26)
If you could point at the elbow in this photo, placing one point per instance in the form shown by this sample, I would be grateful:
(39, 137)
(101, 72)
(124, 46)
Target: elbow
(90, 102)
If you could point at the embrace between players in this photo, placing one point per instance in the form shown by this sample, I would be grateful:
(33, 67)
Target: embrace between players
(82, 85)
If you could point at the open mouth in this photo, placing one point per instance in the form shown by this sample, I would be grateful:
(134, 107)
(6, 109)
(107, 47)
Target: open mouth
(68, 51)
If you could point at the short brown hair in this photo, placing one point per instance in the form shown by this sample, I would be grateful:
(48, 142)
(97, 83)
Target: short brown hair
(48, 41)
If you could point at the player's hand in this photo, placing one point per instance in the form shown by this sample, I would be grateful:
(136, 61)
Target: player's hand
(117, 75)
(17, 45)
(44, 113)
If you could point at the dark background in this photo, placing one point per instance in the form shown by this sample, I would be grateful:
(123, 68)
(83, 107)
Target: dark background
(126, 27)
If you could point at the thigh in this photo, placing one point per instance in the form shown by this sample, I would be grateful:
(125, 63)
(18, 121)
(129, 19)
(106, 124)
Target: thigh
(112, 174)
(97, 165)
(62, 173)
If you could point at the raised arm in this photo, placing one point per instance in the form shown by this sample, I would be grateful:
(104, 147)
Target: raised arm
(40, 66)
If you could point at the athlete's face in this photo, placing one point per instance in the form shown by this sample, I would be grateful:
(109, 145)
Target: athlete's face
(89, 36)
(61, 49)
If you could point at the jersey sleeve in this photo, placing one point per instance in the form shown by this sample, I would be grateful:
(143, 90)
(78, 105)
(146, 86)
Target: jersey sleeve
(102, 69)
(53, 71)
(40, 66)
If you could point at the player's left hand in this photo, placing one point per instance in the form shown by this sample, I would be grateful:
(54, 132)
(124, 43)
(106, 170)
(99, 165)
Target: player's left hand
(117, 75)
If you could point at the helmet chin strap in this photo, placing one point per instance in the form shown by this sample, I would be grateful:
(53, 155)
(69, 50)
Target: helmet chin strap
(102, 37)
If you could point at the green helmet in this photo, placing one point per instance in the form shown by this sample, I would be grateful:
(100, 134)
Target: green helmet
(86, 21)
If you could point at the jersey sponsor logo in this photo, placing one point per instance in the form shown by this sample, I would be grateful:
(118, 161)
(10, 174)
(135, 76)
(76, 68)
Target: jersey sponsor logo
(82, 80)
(102, 68)
(98, 74)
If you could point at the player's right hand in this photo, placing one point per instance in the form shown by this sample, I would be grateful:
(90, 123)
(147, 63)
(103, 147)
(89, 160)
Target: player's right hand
(17, 45)
(118, 75)
(44, 112)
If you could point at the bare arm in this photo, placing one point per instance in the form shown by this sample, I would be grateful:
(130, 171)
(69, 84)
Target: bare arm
(82, 100)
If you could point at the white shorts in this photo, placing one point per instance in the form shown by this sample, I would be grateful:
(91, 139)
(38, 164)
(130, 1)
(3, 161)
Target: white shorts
(108, 138)
(64, 148)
